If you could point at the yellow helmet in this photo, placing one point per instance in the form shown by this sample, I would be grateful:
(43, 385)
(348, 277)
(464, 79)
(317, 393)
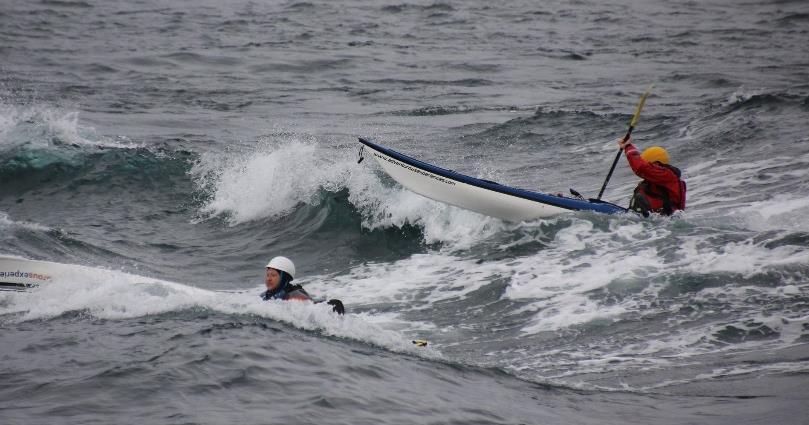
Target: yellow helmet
(655, 154)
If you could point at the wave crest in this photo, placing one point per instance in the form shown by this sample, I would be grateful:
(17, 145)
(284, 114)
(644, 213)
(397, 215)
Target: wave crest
(276, 177)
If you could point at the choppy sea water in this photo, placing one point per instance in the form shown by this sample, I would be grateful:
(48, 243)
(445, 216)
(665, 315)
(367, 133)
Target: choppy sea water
(191, 141)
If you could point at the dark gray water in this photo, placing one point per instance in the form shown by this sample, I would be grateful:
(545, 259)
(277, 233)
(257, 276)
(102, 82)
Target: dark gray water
(192, 141)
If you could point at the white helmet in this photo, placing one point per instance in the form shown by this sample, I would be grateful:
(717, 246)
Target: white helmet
(284, 264)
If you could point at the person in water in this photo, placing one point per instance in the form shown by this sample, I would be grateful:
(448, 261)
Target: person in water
(662, 191)
(278, 279)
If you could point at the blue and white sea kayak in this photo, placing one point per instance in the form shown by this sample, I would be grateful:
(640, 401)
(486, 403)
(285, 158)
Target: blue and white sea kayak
(482, 196)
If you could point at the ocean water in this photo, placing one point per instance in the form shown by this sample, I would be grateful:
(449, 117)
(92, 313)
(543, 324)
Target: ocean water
(172, 147)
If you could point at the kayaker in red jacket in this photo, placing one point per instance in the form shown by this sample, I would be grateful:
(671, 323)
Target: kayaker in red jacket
(661, 191)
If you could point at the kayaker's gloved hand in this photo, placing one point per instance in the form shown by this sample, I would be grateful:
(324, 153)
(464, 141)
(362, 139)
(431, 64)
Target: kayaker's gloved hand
(337, 306)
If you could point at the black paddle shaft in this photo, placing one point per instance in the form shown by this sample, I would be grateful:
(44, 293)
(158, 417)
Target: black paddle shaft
(614, 163)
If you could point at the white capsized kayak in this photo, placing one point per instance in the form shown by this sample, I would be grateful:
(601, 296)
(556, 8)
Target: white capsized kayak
(17, 274)
(482, 196)
(20, 274)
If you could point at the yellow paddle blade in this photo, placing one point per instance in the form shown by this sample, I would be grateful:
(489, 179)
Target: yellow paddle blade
(420, 343)
(640, 106)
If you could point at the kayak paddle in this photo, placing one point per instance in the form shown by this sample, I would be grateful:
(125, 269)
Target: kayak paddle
(628, 133)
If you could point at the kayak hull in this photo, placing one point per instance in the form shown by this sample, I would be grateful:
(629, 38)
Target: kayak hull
(18, 274)
(482, 196)
(21, 274)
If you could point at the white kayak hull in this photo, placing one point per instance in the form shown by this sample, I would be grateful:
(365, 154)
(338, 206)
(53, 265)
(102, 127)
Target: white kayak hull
(18, 273)
(482, 196)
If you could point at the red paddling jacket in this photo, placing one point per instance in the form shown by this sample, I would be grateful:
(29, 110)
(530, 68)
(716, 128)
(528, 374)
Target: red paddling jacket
(661, 190)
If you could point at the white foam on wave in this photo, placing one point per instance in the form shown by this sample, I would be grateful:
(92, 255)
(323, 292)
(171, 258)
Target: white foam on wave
(764, 194)
(741, 94)
(747, 257)
(800, 367)
(273, 178)
(416, 282)
(114, 295)
(8, 120)
(6, 223)
(268, 181)
(47, 126)
(558, 282)
(555, 281)
(690, 337)
(582, 259)
(782, 211)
